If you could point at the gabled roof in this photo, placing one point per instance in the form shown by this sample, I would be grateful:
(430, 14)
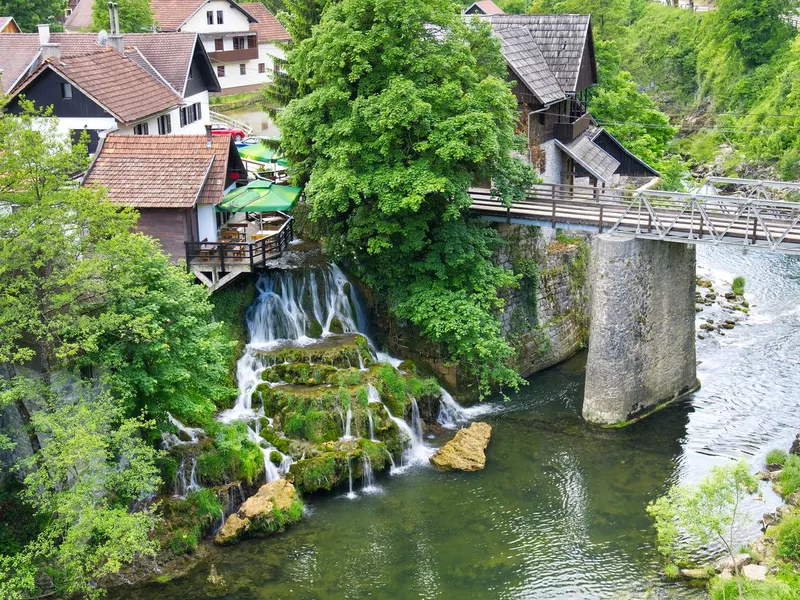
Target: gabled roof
(130, 95)
(161, 171)
(171, 15)
(591, 157)
(6, 21)
(593, 132)
(560, 38)
(267, 26)
(484, 7)
(81, 16)
(525, 59)
(170, 54)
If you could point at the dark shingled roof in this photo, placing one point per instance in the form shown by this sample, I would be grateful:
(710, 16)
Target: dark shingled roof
(161, 171)
(591, 157)
(560, 38)
(526, 61)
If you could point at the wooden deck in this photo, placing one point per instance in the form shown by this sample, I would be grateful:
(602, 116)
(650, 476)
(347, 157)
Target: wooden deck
(668, 216)
(218, 263)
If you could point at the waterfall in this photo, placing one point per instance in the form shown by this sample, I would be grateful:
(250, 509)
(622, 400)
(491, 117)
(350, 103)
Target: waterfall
(170, 440)
(368, 478)
(452, 414)
(183, 483)
(351, 494)
(371, 425)
(416, 451)
(270, 470)
(416, 421)
(347, 435)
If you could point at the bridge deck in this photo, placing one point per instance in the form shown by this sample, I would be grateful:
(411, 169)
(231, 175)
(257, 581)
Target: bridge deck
(669, 216)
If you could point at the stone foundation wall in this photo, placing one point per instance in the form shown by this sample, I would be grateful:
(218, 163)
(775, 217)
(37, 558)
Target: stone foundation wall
(546, 319)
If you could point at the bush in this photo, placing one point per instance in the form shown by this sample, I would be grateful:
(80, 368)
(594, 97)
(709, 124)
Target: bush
(738, 285)
(787, 535)
(776, 457)
(790, 476)
(725, 589)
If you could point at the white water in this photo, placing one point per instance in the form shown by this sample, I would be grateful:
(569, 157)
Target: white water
(368, 485)
(347, 435)
(183, 483)
(452, 414)
(371, 425)
(170, 440)
(351, 494)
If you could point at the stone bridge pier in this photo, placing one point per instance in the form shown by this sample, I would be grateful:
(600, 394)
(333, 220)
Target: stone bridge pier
(642, 334)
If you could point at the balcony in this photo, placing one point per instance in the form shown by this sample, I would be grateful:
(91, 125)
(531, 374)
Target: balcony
(572, 127)
(234, 55)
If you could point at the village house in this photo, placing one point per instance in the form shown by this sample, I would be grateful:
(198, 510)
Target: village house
(242, 40)
(551, 62)
(136, 84)
(175, 183)
(483, 7)
(8, 25)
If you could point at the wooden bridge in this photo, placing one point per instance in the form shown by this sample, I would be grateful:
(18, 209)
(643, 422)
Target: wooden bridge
(670, 216)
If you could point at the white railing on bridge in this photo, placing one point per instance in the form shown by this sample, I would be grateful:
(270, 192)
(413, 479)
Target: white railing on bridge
(670, 216)
(218, 117)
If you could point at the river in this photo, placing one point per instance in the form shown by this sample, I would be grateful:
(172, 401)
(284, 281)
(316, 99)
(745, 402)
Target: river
(559, 511)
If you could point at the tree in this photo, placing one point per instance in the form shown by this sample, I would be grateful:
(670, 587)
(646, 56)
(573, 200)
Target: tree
(135, 16)
(79, 290)
(710, 512)
(30, 13)
(403, 106)
(83, 482)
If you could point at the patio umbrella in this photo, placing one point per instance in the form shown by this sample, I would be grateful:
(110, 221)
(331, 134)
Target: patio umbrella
(260, 196)
(260, 153)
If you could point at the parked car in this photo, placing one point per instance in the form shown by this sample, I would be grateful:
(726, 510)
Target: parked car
(222, 129)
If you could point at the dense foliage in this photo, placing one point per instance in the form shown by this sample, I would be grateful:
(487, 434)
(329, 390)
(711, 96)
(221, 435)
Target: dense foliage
(403, 107)
(30, 13)
(99, 334)
(135, 16)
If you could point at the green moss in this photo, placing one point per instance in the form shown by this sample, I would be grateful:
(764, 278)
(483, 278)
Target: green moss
(168, 467)
(316, 473)
(336, 326)
(314, 329)
(186, 522)
(231, 456)
(341, 351)
(738, 286)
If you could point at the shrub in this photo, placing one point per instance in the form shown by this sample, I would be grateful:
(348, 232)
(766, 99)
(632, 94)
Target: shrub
(777, 457)
(725, 589)
(790, 476)
(788, 538)
(738, 285)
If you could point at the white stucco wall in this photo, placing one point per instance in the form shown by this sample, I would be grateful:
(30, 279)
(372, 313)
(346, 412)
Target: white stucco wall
(207, 222)
(232, 19)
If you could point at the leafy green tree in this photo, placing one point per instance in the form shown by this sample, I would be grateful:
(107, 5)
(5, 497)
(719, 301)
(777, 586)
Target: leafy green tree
(396, 120)
(30, 13)
(104, 297)
(82, 482)
(513, 7)
(711, 512)
(135, 16)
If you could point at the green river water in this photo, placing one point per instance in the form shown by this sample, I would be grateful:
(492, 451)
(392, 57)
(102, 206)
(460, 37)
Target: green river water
(559, 511)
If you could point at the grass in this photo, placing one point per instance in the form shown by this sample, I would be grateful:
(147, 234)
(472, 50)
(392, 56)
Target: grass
(777, 457)
(787, 535)
(790, 476)
(738, 285)
(726, 589)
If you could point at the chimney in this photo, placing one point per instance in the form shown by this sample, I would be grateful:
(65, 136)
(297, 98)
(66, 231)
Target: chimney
(209, 142)
(115, 38)
(51, 51)
(44, 34)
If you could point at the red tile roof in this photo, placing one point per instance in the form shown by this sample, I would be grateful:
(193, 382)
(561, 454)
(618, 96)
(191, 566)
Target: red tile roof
(113, 81)
(171, 14)
(158, 171)
(268, 27)
(486, 7)
(81, 16)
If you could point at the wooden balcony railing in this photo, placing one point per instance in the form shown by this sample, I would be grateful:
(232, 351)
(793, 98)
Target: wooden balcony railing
(566, 132)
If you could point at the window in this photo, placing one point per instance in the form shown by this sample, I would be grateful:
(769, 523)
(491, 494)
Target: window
(164, 124)
(219, 17)
(242, 69)
(66, 91)
(219, 45)
(220, 70)
(262, 68)
(252, 41)
(210, 17)
(239, 43)
(141, 129)
(191, 113)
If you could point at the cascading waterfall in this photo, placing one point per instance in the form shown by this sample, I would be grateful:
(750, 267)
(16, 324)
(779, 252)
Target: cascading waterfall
(371, 425)
(452, 414)
(368, 477)
(170, 440)
(347, 434)
(351, 494)
(186, 483)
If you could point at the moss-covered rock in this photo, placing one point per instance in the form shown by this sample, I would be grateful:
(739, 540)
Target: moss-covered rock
(184, 522)
(341, 351)
(275, 505)
(333, 468)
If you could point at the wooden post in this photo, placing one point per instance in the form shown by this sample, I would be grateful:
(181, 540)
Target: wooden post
(221, 257)
(601, 218)
(554, 214)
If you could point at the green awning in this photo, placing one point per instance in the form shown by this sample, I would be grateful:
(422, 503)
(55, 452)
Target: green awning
(260, 196)
(260, 153)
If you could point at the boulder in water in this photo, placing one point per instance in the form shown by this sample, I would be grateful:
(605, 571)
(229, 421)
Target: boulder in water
(466, 451)
(732, 563)
(272, 507)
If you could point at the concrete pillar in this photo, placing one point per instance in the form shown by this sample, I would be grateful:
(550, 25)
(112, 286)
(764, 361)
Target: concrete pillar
(641, 336)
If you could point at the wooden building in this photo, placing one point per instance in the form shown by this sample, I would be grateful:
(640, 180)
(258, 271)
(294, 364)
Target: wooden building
(9, 25)
(551, 63)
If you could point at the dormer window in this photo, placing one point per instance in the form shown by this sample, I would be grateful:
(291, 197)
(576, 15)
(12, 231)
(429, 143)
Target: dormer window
(219, 17)
(210, 17)
(66, 91)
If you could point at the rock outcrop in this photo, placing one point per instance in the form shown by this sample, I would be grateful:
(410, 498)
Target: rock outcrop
(466, 451)
(272, 507)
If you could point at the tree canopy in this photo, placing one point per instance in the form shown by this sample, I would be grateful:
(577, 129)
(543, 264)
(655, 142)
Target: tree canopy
(30, 13)
(403, 107)
(135, 16)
